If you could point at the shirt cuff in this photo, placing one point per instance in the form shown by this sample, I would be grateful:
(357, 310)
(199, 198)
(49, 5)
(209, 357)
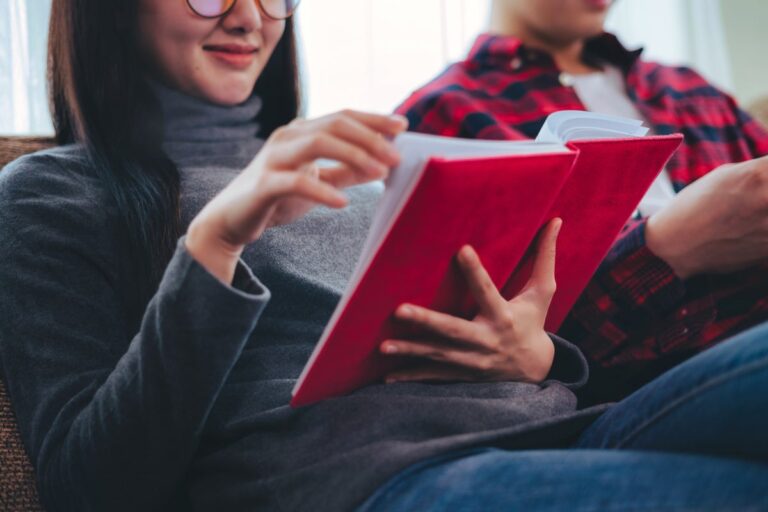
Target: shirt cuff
(242, 302)
(569, 366)
(639, 278)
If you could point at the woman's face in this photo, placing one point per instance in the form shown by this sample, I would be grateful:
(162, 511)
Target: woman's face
(561, 21)
(218, 60)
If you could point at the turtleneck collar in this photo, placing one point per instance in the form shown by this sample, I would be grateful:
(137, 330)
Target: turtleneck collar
(202, 134)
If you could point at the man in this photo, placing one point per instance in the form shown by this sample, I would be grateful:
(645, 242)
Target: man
(691, 269)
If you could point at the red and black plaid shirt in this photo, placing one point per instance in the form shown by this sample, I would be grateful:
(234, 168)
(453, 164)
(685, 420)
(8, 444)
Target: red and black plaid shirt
(636, 318)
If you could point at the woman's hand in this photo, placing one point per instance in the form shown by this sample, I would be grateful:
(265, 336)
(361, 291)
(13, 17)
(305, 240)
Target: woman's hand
(506, 341)
(283, 182)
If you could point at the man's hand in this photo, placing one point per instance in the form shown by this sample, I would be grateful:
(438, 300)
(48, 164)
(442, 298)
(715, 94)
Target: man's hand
(717, 225)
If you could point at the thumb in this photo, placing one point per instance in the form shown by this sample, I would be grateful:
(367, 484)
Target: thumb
(542, 281)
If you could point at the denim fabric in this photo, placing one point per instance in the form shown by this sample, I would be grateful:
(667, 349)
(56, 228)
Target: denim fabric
(715, 403)
(693, 439)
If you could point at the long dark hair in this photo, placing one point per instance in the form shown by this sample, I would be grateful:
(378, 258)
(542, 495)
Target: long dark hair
(99, 99)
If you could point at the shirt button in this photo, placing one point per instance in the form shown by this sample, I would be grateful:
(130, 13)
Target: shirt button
(684, 312)
(566, 80)
(516, 63)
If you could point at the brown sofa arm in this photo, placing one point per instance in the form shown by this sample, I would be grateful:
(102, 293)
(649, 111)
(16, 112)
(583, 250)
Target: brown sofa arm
(18, 488)
(18, 491)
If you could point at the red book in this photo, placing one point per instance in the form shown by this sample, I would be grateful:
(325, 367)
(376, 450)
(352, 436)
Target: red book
(495, 196)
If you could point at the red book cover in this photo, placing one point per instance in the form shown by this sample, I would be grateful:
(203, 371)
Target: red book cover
(497, 204)
(608, 180)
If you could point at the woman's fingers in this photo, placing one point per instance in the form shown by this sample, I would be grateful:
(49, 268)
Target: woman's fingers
(480, 284)
(341, 137)
(386, 125)
(352, 129)
(432, 373)
(451, 327)
(341, 176)
(306, 187)
(467, 359)
(542, 281)
(306, 148)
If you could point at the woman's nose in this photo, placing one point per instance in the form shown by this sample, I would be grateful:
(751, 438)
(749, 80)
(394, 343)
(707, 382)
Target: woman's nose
(244, 17)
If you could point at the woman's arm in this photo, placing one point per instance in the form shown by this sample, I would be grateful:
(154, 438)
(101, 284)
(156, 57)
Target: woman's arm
(110, 420)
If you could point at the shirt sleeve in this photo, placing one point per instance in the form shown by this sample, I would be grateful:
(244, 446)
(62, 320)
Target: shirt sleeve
(635, 303)
(110, 418)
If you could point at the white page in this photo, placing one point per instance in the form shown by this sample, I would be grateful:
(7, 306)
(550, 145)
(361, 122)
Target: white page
(567, 125)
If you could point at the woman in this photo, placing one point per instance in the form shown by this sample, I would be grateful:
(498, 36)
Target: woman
(148, 373)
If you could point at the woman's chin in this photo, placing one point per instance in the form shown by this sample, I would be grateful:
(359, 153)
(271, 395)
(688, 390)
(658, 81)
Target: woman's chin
(228, 94)
(232, 100)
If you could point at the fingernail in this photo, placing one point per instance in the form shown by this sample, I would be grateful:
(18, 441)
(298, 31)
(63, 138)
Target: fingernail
(406, 310)
(392, 153)
(400, 119)
(377, 168)
(390, 349)
(341, 199)
(466, 254)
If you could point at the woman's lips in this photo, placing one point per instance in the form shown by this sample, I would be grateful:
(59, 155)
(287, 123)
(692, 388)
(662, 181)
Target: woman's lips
(233, 55)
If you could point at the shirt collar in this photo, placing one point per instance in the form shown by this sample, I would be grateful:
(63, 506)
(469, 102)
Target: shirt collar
(492, 50)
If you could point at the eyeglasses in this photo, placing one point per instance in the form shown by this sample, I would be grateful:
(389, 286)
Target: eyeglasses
(274, 9)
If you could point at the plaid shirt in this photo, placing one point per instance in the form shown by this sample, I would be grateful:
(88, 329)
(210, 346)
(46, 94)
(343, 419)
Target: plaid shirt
(636, 318)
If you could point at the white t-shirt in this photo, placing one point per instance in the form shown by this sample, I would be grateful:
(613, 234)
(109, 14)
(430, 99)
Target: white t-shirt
(604, 93)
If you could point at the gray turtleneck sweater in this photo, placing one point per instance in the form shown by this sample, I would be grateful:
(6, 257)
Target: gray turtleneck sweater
(190, 410)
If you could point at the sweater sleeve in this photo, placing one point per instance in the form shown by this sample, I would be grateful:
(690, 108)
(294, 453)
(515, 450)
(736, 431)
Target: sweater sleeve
(110, 418)
(569, 366)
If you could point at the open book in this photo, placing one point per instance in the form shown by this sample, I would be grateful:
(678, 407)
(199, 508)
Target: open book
(590, 170)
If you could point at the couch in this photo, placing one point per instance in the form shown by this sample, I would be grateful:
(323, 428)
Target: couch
(18, 491)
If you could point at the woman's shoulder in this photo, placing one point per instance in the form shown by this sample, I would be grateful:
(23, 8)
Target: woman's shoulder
(56, 189)
(60, 177)
(57, 164)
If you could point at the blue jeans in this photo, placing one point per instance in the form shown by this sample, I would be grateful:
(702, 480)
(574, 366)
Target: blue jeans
(695, 438)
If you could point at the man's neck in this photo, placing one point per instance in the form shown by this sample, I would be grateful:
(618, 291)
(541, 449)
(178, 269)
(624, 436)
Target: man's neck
(566, 54)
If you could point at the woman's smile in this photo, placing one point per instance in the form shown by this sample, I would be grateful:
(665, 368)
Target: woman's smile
(235, 56)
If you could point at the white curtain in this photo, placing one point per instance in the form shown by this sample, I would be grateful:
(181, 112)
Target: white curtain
(679, 32)
(370, 54)
(23, 105)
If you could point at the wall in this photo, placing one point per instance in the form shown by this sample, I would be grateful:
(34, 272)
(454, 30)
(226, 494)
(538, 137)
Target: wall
(746, 31)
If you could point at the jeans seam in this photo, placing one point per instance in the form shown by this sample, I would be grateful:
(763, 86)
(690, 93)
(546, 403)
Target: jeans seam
(744, 370)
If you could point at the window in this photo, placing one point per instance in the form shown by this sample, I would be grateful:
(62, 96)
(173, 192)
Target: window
(23, 106)
(375, 53)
